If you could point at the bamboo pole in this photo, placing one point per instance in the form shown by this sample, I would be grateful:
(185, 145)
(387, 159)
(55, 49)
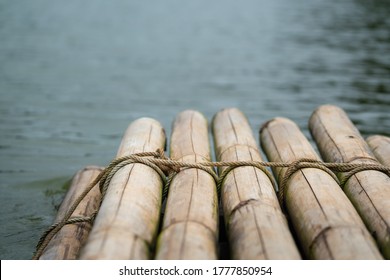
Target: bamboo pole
(127, 222)
(66, 244)
(256, 226)
(190, 226)
(339, 141)
(325, 221)
(380, 146)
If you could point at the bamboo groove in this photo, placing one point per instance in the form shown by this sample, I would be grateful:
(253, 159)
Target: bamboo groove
(380, 146)
(325, 222)
(66, 244)
(339, 141)
(127, 222)
(256, 226)
(190, 226)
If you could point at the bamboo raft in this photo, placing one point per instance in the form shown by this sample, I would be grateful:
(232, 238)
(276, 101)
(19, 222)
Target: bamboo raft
(246, 212)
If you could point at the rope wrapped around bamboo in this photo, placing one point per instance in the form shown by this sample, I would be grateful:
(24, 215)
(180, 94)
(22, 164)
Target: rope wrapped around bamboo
(190, 225)
(163, 165)
(255, 223)
(338, 140)
(67, 242)
(127, 222)
(325, 221)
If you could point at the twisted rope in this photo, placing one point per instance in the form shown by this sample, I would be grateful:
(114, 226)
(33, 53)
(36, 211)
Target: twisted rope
(167, 169)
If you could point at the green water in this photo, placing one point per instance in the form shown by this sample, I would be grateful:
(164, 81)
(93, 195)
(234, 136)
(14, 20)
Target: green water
(74, 74)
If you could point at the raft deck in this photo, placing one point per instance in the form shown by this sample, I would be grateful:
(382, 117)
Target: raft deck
(301, 213)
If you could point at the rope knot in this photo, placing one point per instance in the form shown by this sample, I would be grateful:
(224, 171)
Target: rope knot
(167, 168)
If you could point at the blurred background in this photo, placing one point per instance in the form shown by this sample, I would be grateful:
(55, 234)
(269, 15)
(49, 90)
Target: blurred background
(74, 74)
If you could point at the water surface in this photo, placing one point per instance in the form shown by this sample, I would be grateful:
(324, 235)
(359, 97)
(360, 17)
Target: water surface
(74, 74)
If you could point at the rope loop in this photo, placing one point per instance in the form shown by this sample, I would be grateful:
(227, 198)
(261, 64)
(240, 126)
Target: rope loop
(73, 220)
(122, 162)
(103, 179)
(359, 168)
(254, 164)
(191, 166)
(297, 165)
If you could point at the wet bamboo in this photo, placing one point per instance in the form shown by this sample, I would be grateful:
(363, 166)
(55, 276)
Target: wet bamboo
(339, 141)
(127, 222)
(326, 223)
(190, 226)
(66, 244)
(255, 223)
(380, 146)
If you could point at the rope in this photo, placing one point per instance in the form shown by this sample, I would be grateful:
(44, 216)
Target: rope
(73, 220)
(296, 166)
(167, 169)
(231, 167)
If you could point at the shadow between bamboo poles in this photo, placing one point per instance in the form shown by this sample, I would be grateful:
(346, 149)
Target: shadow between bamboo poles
(66, 244)
(325, 221)
(339, 141)
(380, 146)
(127, 222)
(190, 226)
(256, 226)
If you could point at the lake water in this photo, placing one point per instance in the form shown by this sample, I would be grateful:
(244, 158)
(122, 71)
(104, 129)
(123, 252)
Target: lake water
(74, 74)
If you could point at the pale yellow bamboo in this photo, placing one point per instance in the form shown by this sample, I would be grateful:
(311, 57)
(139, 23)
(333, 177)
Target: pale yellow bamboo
(127, 222)
(325, 221)
(66, 244)
(256, 226)
(380, 145)
(190, 226)
(339, 141)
